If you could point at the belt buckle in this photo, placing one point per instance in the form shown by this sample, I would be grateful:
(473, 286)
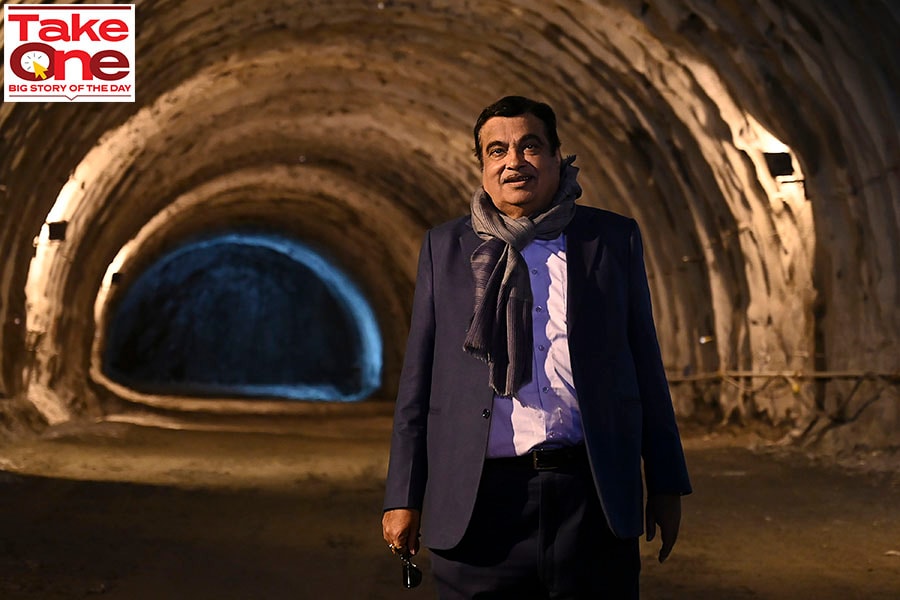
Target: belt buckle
(541, 463)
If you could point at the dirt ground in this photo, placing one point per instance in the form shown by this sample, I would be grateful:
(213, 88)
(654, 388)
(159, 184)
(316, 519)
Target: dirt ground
(119, 511)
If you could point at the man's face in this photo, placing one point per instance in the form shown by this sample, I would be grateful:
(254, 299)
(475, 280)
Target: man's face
(520, 172)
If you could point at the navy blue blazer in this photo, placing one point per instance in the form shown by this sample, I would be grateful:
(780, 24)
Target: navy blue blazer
(442, 415)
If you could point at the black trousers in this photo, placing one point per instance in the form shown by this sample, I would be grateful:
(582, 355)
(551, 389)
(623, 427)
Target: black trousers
(537, 535)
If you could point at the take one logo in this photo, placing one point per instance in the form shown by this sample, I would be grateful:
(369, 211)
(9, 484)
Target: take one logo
(68, 53)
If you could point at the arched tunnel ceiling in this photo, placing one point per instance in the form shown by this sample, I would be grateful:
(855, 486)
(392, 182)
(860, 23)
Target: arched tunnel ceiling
(347, 124)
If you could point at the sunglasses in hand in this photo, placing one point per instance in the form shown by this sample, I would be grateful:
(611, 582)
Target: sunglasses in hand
(412, 575)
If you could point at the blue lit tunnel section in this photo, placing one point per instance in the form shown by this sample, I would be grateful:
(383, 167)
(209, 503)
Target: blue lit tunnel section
(244, 316)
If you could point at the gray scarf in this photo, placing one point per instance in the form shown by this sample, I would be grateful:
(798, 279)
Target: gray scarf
(500, 333)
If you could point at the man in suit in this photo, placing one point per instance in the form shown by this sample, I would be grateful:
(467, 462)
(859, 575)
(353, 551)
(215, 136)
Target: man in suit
(532, 387)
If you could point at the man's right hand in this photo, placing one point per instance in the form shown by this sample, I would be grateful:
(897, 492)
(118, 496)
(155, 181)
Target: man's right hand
(401, 529)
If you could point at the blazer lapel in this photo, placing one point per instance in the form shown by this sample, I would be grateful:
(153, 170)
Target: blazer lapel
(473, 372)
(468, 242)
(582, 246)
(468, 239)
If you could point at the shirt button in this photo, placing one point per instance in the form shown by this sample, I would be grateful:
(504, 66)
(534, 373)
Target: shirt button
(486, 414)
(534, 271)
(545, 389)
(538, 309)
(541, 347)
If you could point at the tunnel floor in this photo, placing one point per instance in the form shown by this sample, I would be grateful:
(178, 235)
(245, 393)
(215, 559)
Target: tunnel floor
(116, 510)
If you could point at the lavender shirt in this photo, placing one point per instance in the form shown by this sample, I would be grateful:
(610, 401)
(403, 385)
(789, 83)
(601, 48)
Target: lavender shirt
(544, 412)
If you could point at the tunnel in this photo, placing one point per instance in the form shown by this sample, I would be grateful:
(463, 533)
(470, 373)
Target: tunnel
(242, 315)
(755, 142)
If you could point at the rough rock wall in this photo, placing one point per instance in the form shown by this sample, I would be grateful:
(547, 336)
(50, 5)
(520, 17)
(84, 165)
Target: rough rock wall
(347, 125)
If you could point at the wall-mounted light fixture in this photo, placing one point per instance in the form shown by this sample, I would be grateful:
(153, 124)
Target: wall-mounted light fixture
(781, 167)
(779, 163)
(56, 230)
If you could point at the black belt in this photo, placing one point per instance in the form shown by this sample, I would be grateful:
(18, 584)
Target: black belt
(544, 459)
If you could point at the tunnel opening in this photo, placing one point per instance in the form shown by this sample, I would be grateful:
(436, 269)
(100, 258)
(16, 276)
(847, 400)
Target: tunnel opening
(243, 315)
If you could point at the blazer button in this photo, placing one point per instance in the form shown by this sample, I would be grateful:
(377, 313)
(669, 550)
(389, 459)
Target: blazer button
(486, 414)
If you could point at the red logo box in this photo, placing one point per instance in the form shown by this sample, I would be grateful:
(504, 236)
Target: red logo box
(68, 53)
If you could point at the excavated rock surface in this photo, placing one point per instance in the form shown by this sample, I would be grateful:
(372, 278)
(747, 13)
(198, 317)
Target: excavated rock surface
(347, 125)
